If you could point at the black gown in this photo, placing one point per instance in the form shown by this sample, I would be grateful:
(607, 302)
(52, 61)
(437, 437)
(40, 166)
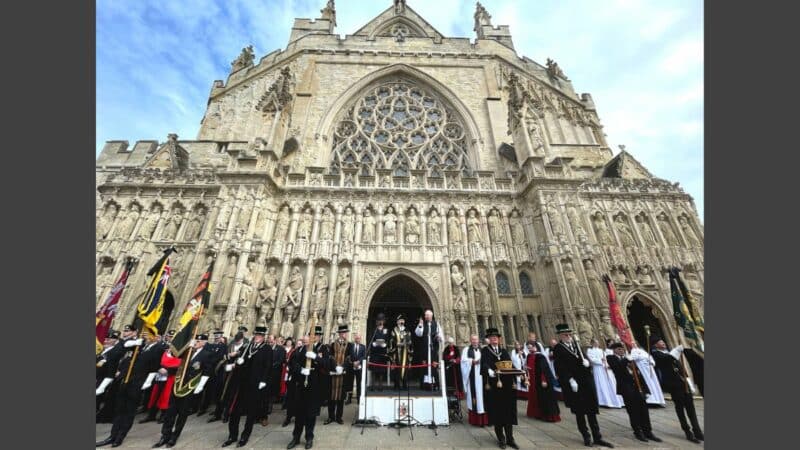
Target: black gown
(500, 403)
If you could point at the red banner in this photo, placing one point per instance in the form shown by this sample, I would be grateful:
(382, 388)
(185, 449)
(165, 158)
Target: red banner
(106, 314)
(615, 315)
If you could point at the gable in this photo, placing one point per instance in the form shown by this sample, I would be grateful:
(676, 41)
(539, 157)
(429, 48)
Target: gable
(397, 20)
(625, 166)
(169, 156)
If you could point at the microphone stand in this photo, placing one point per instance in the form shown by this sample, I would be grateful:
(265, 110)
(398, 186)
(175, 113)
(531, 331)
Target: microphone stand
(363, 422)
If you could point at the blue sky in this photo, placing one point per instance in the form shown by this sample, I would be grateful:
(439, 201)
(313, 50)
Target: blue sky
(642, 61)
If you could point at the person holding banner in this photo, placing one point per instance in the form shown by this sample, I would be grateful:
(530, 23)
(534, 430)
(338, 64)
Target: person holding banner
(675, 381)
(633, 390)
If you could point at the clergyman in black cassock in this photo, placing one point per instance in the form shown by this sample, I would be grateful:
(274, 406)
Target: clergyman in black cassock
(634, 392)
(673, 380)
(499, 396)
(308, 383)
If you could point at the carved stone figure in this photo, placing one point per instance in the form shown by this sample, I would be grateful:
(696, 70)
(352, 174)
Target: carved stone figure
(596, 285)
(386, 181)
(453, 228)
(223, 217)
(482, 17)
(245, 59)
(103, 279)
(585, 331)
(412, 228)
(289, 316)
(462, 329)
(693, 281)
(368, 230)
(172, 226)
(555, 219)
(553, 70)
(389, 226)
(517, 229)
(688, 232)
(268, 292)
(293, 293)
(573, 286)
(348, 226)
(434, 229)
(149, 225)
(399, 6)
(304, 228)
(194, 227)
(666, 229)
(601, 229)
(646, 230)
(481, 287)
(244, 218)
(459, 284)
(605, 323)
(228, 278)
(342, 291)
(474, 228)
(624, 232)
(126, 226)
(105, 222)
(496, 228)
(326, 226)
(645, 276)
(282, 224)
(575, 221)
(320, 292)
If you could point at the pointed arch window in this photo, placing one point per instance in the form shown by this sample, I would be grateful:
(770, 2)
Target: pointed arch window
(525, 284)
(503, 286)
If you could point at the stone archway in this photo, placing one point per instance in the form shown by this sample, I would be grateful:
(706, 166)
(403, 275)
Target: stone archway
(640, 311)
(398, 294)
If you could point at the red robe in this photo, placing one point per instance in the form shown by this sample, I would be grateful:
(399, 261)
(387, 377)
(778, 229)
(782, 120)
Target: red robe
(159, 395)
(452, 364)
(284, 367)
(542, 402)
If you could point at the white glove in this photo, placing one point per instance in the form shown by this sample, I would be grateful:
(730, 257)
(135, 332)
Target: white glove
(491, 373)
(629, 357)
(374, 344)
(201, 384)
(228, 367)
(339, 369)
(262, 385)
(311, 355)
(133, 342)
(573, 384)
(101, 363)
(103, 385)
(679, 347)
(383, 345)
(305, 371)
(149, 381)
(691, 386)
(585, 362)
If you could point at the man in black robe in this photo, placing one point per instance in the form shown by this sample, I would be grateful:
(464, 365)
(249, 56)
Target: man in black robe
(377, 353)
(575, 376)
(308, 392)
(250, 393)
(429, 336)
(214, 386)
(673, 380)
(278, 360)
(340, 351)
(634, 391)
(230, 377)
(499, 395)
(105, 369)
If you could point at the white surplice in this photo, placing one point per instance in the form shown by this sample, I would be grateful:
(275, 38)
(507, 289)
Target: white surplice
(466, 366)
(646, 365)
(606, 391)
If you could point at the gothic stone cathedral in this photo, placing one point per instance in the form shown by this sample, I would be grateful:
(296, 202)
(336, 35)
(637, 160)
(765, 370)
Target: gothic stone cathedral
(393, 170)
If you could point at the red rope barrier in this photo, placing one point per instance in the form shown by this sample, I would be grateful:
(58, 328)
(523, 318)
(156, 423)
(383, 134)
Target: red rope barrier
(398, 366)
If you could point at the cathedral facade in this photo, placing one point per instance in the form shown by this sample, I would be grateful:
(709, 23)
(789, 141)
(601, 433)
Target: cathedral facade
(393, 170)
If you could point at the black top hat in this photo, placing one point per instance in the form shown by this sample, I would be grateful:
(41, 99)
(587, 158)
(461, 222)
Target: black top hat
(563, 328)
(129, 328)
(343, 329)
(400, 317)
(113, 335)
(261, 330)
(492, 332)
(318, 330)
(243, 328)
(615, 345)
(201, 337)
(654, 339)
(380, 316)
(218, 333)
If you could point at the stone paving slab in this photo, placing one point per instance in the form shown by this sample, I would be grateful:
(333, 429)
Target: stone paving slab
(530, 433)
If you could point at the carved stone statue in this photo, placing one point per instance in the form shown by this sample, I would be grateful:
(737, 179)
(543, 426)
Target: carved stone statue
(575, 220)
(320, 292)
(453, 228)
(482, 17)
(571, 280)
(605, 323)
(228, 278)
(601, 229)
(304, 229)
(618, 276)
(555, 220)
(585, 331)
(645, 275)
(688, 232)
(389, 226)
(245, 59)
(666, 229)
(553, 70)
(293, 293)
(244, 218)
(348, 226)
(223, 217)
(496, 228)
(412, 228)
(462, 329)
(474, 228)
(459, 284)
(282, 225)
(126, 226)
(105, 222)
(246, 292)
(103, 279)
(326, 226)
(481, 287)
(596, 284)
(368, 231)
(289, 316)
(195, 227)
(342, 291)
(646, 230)
(693, 281)
(517, 230)
(434, 229)
(268, 292)
(386, 181)
(624, 232)
(173, 225)
(399, 6)
(150, 223)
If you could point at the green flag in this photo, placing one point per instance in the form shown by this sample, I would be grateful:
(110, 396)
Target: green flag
(682, 315)
(694, 310)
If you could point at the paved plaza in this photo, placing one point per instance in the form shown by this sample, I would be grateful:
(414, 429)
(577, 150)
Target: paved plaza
(530, 433)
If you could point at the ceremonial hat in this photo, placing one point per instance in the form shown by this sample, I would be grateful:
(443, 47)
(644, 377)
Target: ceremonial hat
(563, 328)
(243, 328)
(114, 334)
(380, 316)
(129, 328)
(400, 317)
(260, 330)
(654, 339)
(318, 330)
(615, 345)
(492, 332)
(218, 332)
(201, 337)
(343, 329)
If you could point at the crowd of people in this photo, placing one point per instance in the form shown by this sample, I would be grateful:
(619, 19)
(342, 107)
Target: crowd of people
(252, 377)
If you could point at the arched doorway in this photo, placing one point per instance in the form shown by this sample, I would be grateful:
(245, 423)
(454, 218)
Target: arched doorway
(399, 294)
(640, 313)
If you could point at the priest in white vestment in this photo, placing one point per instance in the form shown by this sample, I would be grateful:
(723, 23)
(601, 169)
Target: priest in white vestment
(646, 365)
(606, 391)
(473, 382)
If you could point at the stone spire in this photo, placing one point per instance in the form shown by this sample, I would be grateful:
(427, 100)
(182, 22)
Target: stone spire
(482, 18)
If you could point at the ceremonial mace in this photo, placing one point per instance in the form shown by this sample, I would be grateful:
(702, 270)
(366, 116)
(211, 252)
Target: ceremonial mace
(311, 341)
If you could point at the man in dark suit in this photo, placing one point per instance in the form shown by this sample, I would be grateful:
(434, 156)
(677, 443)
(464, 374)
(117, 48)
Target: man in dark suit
(211, 393)
(357, 358)
(105, 368)
(499, 395)
(674, 380)
(250, 396)
(229, 372)
(575, 376)
(201, 364)
(278, 360)
(308, 391)
(634, 392)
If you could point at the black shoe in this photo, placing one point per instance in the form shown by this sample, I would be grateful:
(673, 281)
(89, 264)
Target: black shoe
(225, 419)
(160, 420)
(286, 423)
(340, 421)
(690, 437)
(327, 421)
(651, 437)
(699, 435)
(229, 442)
(104, 442)
(148, 419)
(603, 443)
(172, 441)
(587, 441)
(310, 443)
(213, 419)
(501, 443)
(117, 443)
(160, 442)
(242, 443)
(513, 444)
(293, 443)
(639, 436)
(201, 412)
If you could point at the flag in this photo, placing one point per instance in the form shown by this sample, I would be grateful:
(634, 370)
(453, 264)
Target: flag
(105, 315)
(615, 315)
(694, 311)
(187, 324)
(682, 315)
(154, 306)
